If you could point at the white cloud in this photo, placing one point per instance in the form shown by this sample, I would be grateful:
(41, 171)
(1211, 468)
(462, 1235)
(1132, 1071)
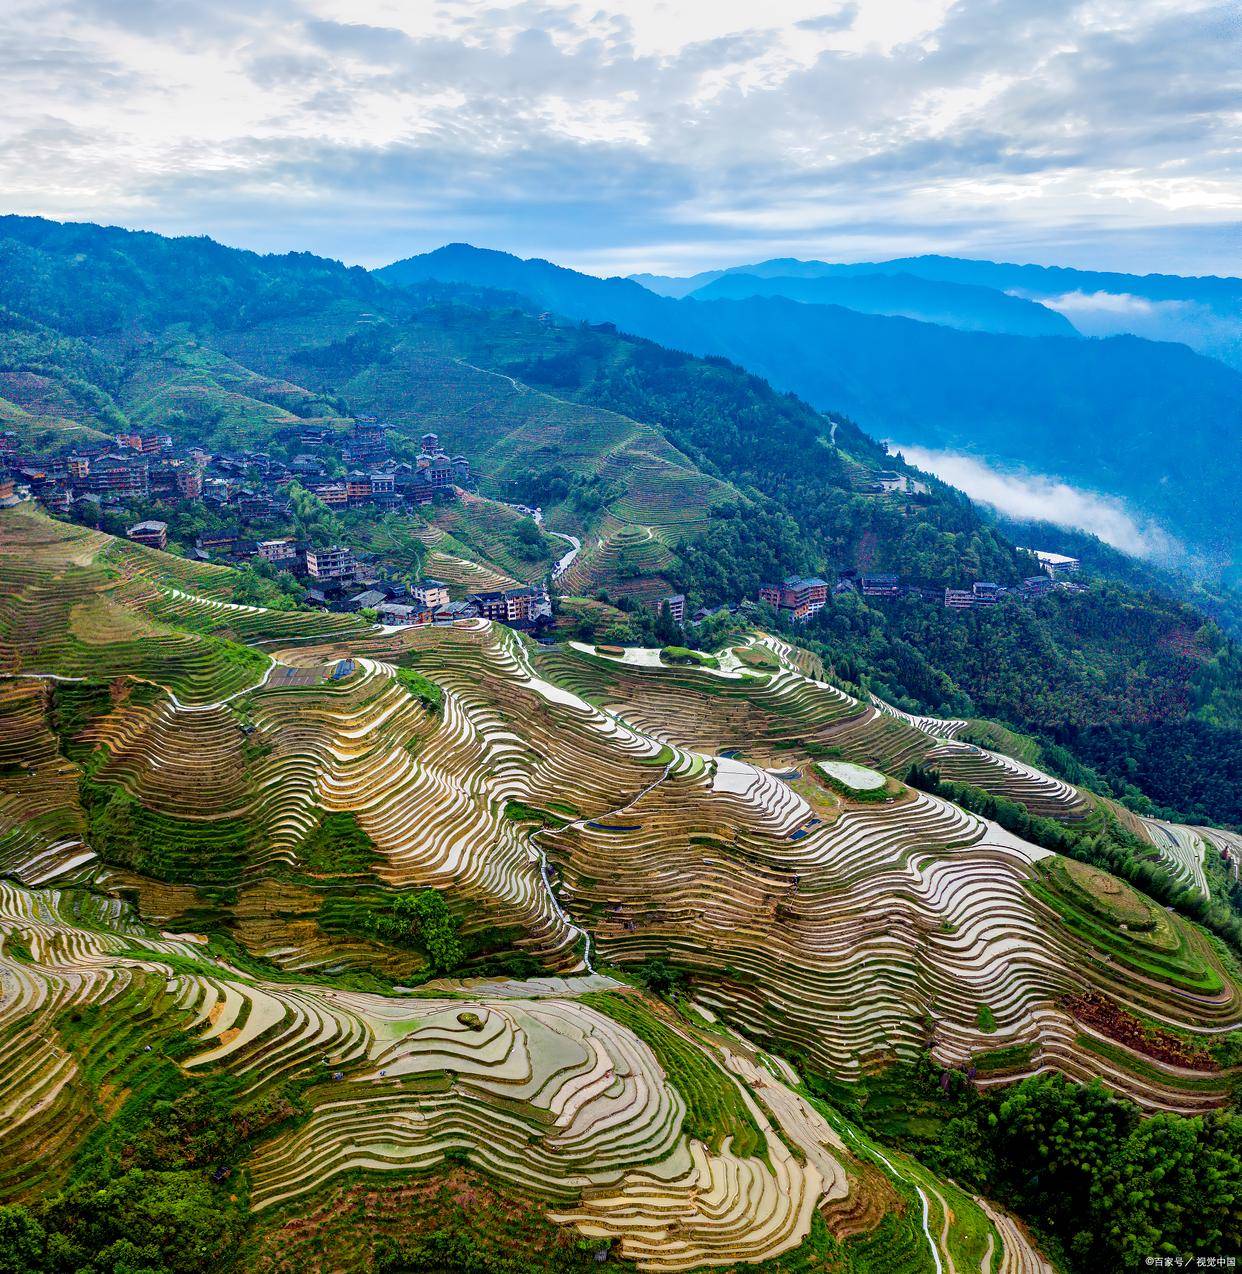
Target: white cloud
(1037, 498)
(1037, 129)
(1120, 305)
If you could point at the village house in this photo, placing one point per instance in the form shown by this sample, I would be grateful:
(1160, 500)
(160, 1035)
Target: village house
(333, 494)
(403, 613)
(190, 481)
(518, 607)
(335, 563)
(118, 477)
(802, 596)
(278, 551)
(1055, 564)
(153, 534)
(880, 585)
(431, 593)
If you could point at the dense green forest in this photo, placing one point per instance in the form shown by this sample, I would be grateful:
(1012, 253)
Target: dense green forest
(1104, 1188)
(1142, 690)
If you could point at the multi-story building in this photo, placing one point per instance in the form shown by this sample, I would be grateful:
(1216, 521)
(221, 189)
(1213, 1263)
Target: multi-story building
(367, 443)
(333, 494)
(677, 607)
(959, 598)
(358, 488)
(56, 498)
(146, 444)
(79, 467)
(880, 585)
(986, 594)
(190, 481)
(153, 534)
(438, 468)
(381, 484)
(1056, 564)
(330, 563)
(221, 543)
(520, 606)
(400, 613)
(431, 593)
(162, 476)
(116, 476)
(1037, 585)
(801, 596)
(278, 551)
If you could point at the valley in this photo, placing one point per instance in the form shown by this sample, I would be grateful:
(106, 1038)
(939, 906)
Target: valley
(462, 761)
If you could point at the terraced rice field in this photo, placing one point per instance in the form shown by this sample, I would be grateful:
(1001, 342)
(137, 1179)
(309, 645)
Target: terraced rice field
(164, 885)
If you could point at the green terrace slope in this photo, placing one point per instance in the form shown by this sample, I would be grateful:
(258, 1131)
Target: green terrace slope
(373, 919)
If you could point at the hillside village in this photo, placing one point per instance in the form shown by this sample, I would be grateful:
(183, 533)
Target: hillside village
(800, 597)
(252, 491)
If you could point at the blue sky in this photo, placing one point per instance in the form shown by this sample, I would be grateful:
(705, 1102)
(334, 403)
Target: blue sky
(647, 135)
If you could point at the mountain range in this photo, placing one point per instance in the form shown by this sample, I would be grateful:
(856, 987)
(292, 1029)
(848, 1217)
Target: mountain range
(1203, 312)
(1098, 414)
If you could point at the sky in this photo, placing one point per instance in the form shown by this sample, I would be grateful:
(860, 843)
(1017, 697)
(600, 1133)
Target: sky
(663, 135)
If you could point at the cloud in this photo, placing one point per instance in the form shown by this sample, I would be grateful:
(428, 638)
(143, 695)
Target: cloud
(1036, 498)
(1120, 305)
(1092, 134)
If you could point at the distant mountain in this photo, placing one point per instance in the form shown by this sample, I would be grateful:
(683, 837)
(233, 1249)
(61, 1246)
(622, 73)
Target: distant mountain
(960, 305)
(666, 285)
(1204, 313)
(1098, 414)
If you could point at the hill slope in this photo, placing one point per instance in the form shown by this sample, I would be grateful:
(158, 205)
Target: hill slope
(1204, 312)
(676, 473)
(438, 928)
(1092, 412)
(956, 305)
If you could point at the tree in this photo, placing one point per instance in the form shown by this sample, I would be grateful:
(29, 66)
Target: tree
(424, 920)
(23, 1241)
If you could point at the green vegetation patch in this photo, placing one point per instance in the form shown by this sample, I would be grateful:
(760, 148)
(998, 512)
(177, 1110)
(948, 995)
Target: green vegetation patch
(520, 812)
(210, 853)
(422, 688)
(683, 656)
(714, 1106)
(338, 847)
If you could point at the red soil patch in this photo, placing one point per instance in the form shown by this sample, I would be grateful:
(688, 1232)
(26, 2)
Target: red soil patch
(1100, 1013)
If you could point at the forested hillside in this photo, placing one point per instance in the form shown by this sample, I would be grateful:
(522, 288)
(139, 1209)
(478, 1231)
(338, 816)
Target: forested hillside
(1095, 413)
(1204, 312)
(957, 305)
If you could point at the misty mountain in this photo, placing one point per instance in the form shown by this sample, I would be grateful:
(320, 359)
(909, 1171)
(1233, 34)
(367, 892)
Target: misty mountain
(1153, 424)
(1204, 313)
(960, 305)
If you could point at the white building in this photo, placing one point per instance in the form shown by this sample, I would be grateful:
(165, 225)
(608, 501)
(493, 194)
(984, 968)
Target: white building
(278, 550)
(1056, 564)
(330, 563)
